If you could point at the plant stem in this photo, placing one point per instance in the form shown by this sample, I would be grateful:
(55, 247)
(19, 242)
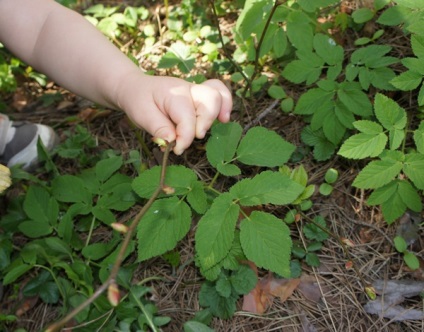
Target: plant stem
(221, 38)
(258, 49)
(146, 314)
(121, 255)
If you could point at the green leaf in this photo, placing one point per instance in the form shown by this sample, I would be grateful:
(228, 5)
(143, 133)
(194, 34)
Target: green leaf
(313, 232)
(414, 64)
(15, 273)
(362, 15)
(266, 241)
(389, 113)
(394, 16)
(263, 147)
(43, 286)
(106, 167)
(178, 177)
(393, 208)
(417, 44)
(223, 286)
(312, 100)
(223, 142)
(361, 146)
(400, 244)
(35, 228)
(166, 222)
(411, 260)
(406, 81)
(331, 176)
(103, 214)
(243, 280)
(368, 127)
(193, 326)
(419, 138)
(410, 196)
(327, 49)
(377, 174)
(312, 259)
(70, 189)
(215, 232)
(414, 169)
(325, 189)
(276, 92)
(266, 188)
(252, 18)
(220, 306)
(382, 194)
(299, 30)
(323, 148)
(228, 169)
(58, 245)
(354, 99)
(40, 207)
(299, 71)
(197, 197)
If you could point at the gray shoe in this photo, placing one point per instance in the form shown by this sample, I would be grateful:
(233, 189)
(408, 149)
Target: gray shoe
(18, 142)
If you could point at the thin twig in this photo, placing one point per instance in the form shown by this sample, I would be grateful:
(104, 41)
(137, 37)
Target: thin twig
(121, 255)
(268, 110)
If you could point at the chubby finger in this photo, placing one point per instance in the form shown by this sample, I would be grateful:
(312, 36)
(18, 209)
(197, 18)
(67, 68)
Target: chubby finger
(183, 115)
(226, 98)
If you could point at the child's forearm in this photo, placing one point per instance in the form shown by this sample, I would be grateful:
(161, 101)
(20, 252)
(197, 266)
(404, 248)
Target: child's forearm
(64, 46)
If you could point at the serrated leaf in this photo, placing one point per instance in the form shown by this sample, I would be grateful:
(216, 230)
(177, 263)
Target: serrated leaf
(299, 30)
(215, 232)
(178, 177)
(414, 169)
(362, 15)
(419, 138)
(310, 101)
(406, 81)
(70, 189)
(266, 241)
(417, 44)
(263, 147)
(35, 228)
(223, 287)
(377, 174)
(266, 188)
(298, 71)
(382, 194)
(194, 326)
(312, 231)
(223, 142)
(197, 198)
(381, 78)
(354, 99)
(323, 148)
(300, 175)
(220, 306)
(389, 113)
(243, 280)
(396, 137)
(414, 64)
(40, 207)
(228, 169)
(166, 222)
(333, 129)
(410, 196)
(276, 92)
(15, 273)
(361, 146)
(327, 49)
(393, 208)
(106, 167)
(394, 16)
(368, 127)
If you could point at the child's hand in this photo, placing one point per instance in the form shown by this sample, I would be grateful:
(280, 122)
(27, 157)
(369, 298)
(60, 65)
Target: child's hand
(173, 109)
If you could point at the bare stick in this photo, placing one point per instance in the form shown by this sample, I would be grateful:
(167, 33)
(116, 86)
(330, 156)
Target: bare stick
(120, 257)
